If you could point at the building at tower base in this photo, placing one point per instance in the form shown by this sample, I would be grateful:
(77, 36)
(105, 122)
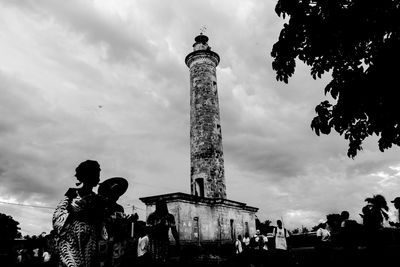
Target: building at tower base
(201, 220)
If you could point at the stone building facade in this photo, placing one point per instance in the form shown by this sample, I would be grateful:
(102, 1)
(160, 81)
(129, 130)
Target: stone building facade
(200, 219)
(205, 215)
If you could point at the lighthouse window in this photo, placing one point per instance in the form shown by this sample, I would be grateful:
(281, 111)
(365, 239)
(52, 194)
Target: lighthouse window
(199, 187)
(232, 229)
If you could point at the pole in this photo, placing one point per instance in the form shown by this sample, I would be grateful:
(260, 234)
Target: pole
(133, 223)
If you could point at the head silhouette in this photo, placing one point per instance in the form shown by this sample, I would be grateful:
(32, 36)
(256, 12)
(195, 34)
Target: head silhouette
(279, 223)
(88, 173)
(345, 215)
(113, 188)
(396, 202)
(161, 207)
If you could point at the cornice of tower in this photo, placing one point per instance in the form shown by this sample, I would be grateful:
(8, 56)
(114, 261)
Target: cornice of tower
(202, 55)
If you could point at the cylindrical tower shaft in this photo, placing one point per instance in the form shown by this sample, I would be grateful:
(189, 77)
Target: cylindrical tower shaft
(206, 154)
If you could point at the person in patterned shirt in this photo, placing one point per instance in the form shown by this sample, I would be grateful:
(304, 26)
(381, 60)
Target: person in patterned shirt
(77, 220)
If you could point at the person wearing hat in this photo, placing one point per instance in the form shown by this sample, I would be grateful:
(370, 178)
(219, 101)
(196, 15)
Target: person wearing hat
(111, 190)
(116, 223)
(396, 217)
(78, 218)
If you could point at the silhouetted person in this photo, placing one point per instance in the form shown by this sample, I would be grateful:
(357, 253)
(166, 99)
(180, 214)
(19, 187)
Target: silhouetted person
(246, 241)
(159, 222)
(344, 217)
(143, 255)
(256, 248)
(323, 246)
(19, 257)
(349, 236)
(111, 190)
(238, 257)
(246, 248)
(115, 222)
(77, 219)
(52, 248)
(46, 258)
(281, 248)
(238, 245)
(374, 214)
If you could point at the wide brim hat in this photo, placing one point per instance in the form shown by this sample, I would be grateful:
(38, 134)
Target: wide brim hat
(113, 186)
(396, 200)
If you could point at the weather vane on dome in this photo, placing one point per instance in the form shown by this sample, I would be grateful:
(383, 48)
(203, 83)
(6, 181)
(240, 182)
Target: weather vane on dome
(203, 29)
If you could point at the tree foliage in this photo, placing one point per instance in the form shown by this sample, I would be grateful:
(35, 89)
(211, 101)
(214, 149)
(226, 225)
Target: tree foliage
(375, 212)
(264, 227)
(8, 227)
(358, 42)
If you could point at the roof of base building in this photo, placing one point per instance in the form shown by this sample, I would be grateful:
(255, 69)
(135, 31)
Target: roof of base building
(178, 196)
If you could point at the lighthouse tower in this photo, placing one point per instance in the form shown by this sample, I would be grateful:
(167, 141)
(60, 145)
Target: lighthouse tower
(206, 154)
(205, 217)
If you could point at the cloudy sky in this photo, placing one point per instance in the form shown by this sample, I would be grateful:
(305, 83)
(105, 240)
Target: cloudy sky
(106, 80)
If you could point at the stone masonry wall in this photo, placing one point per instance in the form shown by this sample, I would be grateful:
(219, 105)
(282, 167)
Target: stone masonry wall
(207, 161)
(199, 223)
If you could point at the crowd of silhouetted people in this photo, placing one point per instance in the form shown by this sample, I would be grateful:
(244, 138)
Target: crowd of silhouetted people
(36, 252)
(337, 240)
(264, 249)
(92, 229)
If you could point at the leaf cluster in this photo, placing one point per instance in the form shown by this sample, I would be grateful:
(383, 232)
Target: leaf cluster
(358, 42)
(9, 228)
